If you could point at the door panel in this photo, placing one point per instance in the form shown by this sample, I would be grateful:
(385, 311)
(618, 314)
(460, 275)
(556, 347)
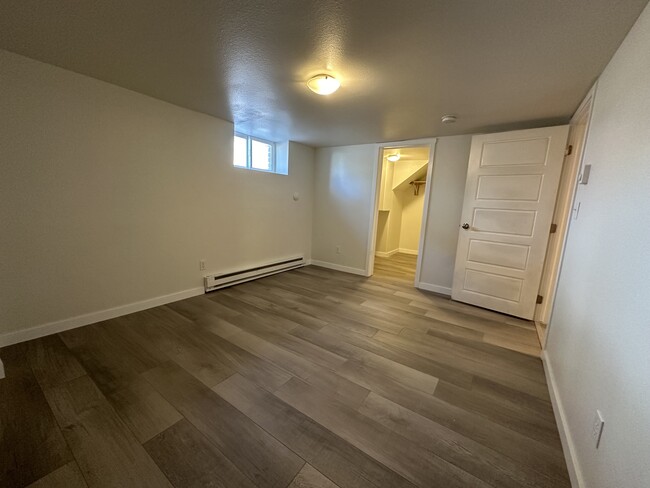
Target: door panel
(513, 256)
(510, 192)
(501, 221)
(517, 187)
(514, 152)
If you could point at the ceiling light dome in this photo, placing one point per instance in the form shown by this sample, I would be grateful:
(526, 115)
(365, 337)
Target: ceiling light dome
(394, 157)
(323, 84)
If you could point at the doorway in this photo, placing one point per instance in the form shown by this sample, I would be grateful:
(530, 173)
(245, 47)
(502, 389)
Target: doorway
(403, 174)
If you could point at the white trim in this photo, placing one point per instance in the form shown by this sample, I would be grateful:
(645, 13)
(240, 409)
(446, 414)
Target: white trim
(90, 318)
(2, 370)
(425, 211)
(382, 254)
(443, 290)
(568, 447)
(339, 267)
(388, 254)
(374, 215)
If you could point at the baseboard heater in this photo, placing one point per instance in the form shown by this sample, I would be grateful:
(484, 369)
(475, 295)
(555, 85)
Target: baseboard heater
(223, 280)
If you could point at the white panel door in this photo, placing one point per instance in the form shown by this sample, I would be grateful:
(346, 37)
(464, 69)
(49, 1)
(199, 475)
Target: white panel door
(512, 182)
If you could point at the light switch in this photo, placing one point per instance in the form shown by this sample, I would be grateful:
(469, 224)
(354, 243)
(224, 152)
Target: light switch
(576, 210)
(584, 177)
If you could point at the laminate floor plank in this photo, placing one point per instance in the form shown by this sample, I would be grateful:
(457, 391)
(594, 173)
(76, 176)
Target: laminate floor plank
(526, 422)
(423, 468)
(31, 443)
(236, 358)
(542, 408)
(114, 357)
(67, 476)
(190, 460)
(212, 307)
(108, 358)
(524, 449)
(309, 477)
(291, 313)
(346, 315)
(527, 366)
(259, 456)
(52, 362)
(252, 311)
(206, 353)
(306, 349)
(160, 329)
(338, 460)
(403, 356)
(483, 462)
(106, 451)
(505, 376)
(143, 409)
(296, 365)
(518, 360)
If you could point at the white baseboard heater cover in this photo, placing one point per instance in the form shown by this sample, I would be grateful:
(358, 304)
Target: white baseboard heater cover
(223, 280)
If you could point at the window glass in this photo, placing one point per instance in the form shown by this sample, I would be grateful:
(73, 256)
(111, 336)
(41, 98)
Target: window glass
(240, 152)
(262, 155)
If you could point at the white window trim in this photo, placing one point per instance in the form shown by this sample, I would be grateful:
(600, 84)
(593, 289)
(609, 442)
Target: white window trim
(249, 153)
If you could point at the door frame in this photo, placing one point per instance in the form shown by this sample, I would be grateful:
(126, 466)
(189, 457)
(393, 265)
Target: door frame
(553, 266)
(374, 196)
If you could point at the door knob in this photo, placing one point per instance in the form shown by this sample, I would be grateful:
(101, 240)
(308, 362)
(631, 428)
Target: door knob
(465, 226)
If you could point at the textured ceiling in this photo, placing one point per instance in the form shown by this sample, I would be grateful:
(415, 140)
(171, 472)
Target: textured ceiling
(497, 64)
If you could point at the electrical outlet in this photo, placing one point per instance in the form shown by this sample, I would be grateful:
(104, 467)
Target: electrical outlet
(338, 249)
(597, 427)
(202, 265)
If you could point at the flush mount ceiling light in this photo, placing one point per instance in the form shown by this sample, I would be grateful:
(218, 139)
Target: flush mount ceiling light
(448, 119)
(393, 157)
(323, 84)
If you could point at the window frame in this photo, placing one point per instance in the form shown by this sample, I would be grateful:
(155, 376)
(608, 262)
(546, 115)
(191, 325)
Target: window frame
(249, 153)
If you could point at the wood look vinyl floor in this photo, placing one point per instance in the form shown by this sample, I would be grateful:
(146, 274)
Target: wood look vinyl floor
(309, 378)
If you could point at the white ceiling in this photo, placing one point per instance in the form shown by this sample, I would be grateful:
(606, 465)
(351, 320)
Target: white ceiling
(497, 64)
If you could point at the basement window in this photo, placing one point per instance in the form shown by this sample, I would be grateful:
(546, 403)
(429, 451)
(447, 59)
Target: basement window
(253, 153)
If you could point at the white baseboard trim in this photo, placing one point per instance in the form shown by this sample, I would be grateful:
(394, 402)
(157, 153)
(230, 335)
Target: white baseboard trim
(412, 252)
(2, 370)
(568, 446)
(443, 290)
(339, 267)
(90, 318)
(387, 254)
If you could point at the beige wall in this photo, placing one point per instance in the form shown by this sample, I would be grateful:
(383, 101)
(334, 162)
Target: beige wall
(412, 206)
(342, 206)
(445, 208)
(110, 197)
(598, 347)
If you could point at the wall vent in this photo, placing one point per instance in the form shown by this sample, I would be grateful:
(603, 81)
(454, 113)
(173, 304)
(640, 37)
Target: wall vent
(223, 280)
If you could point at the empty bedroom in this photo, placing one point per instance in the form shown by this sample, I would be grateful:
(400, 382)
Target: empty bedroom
(327, 244)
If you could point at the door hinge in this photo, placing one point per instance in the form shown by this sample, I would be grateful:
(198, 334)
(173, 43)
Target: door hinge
(540, 299)
(553, 229)
(568, 150)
